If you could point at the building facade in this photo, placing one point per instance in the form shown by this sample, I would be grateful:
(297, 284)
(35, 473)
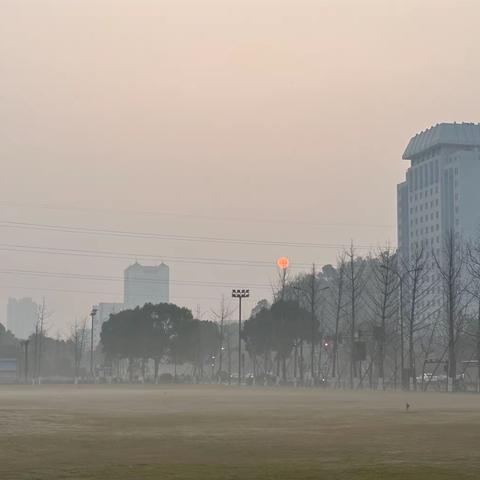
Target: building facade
(438, 202)
(441, 192)
(22, 314)
(146, 284)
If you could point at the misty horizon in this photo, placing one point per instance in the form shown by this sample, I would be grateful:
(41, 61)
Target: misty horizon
(228, 121)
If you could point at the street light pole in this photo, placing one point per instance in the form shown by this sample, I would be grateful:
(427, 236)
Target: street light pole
(92, 314)
(236, 293)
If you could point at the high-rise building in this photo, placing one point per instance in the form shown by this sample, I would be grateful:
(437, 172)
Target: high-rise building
(441, 192)
(22, 314)
(146, 284)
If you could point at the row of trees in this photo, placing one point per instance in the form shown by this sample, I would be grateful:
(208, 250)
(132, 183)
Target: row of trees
(376, 319)
(163, 332)
(372, 320)
(41, 356)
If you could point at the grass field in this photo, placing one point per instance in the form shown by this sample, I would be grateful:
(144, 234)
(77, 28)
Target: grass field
(213, 432)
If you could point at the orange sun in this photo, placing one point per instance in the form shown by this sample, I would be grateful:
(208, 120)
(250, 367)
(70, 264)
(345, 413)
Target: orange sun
(283, 263)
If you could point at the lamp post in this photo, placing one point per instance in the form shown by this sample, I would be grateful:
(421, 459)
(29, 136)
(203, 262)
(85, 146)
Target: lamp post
(236, 293)
(92, 314)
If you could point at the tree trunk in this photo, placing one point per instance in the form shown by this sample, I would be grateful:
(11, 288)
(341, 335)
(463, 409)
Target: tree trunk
(156, 362)
(302, 370)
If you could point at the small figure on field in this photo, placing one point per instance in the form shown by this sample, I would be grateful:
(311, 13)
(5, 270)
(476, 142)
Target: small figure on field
(407, 407)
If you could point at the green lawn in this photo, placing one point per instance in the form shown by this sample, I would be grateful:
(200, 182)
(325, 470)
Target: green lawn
(204, 432)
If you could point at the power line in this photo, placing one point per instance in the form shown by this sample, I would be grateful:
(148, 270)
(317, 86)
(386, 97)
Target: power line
(176, 237)
(20, 248)
(90, 277)
(89, 292)
(193, 216)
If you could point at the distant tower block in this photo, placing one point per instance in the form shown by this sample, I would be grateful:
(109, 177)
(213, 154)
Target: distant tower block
(440, 195)
(441, 191)
(146, 284)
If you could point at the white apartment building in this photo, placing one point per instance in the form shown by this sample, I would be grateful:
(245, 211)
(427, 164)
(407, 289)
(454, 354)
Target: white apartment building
(442, 187)
(441, 193)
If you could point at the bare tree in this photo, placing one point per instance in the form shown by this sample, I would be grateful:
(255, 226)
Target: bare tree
(338, 294)
(40, 332)
(224, 312)
(382, 301)
(311, 290)
(451, 267)
(278, 293)
(78, 338)
(354, 286)
(473, 266)
(417, 288)
(312, 300)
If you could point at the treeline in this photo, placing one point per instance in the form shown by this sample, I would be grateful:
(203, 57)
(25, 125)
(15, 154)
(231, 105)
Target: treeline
(160, 333)
(44, 356)
(376, 321)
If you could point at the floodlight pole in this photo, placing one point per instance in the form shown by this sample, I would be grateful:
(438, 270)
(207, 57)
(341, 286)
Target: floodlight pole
(92, 314)
(239, 340)
(240, 294)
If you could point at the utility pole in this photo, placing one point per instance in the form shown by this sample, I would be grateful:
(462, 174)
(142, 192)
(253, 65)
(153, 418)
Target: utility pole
(92, 314)
(236, 293)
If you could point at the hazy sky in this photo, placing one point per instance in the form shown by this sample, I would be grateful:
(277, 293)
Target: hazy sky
(265, 120)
